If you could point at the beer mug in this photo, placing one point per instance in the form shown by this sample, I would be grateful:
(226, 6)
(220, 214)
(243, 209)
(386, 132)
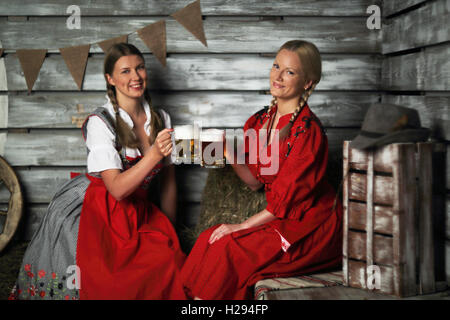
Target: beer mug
(212, 148)
(184, 143)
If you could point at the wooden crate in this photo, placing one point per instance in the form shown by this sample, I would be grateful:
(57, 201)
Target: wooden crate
(387, 198)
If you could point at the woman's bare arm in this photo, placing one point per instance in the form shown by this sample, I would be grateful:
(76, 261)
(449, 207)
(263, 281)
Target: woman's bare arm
(122, 184)
(258, 219)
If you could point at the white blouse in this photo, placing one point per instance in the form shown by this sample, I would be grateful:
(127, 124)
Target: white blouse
(101, 141)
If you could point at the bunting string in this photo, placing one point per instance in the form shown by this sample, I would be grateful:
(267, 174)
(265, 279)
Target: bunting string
(153, 35)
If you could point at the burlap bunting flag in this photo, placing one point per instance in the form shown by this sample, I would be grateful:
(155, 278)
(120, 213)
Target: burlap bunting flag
(76, 60)
(154, 36)
(106, 44)
(31, 61)
(190, 17)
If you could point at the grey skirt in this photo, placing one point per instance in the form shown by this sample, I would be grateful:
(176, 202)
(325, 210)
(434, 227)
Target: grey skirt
(48, 270)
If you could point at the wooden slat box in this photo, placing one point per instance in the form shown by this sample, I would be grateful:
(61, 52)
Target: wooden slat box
(387, 195)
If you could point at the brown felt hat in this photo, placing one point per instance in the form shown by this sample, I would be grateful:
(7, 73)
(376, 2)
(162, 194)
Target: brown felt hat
(389, 123)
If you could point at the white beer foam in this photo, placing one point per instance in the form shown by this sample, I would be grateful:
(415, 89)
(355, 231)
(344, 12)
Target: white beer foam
(184, 132)
(213, 135)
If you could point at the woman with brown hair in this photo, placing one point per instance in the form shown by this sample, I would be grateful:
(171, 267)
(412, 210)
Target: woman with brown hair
(300, 230)
(101, 237)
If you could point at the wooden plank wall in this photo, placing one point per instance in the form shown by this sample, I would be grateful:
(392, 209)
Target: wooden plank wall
(416, 73)
(220, 85)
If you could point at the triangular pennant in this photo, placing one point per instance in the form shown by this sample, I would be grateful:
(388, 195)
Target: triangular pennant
(31, 61)
(1, 52)
(154, 36)
(106, 44)
(190, 17)
(76, 60)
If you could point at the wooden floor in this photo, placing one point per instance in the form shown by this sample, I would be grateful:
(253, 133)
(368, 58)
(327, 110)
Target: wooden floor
(345, 293)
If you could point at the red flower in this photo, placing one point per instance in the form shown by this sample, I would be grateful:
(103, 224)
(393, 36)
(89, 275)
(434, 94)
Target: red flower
(42, 294)
(32, 290)
(27, 267)
(67, 297)
(30, 274)
(53, 275)
(41, 274)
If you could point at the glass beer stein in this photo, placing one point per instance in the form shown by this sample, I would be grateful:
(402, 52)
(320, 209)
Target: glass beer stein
(212, 148)
(184, 143)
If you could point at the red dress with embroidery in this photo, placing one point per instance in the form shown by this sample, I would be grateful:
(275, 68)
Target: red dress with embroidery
(306, 235)
(127, 249)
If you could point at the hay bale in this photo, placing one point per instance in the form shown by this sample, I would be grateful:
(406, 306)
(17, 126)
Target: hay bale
(225, 199)
(10, 262)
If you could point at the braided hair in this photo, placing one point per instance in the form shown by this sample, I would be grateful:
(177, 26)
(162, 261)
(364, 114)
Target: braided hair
(312, 67)
(124, 134)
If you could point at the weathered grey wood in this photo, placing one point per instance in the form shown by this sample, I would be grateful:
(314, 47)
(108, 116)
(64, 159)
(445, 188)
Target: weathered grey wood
(447, 234)
(427, 70)
(448, 169)
(391, 7)
(346, 208)
(223, 35)
(382, 218)
(67, 147)
(406, 242)
(370, 180)
(208, 7)
(4, 111)
(383, 160)
(421, 27)
(358, 159)
(405, 180)
(345, 293)
(45, 148)
(425, 219)
(191, 180)
(358, 277)
(201, 72)
(382, 248)
(212, 109)
(434, 111)
(187, 215)
(447, 260)
(437, 75)
(40, 184)
(3, 81)
(382, 188)
(328, 293)
(33, 215)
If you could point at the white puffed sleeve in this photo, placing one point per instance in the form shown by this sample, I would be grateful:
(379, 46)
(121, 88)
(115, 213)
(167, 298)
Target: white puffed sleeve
(101, 144)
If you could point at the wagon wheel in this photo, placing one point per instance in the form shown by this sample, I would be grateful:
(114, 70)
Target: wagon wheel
(9, 180)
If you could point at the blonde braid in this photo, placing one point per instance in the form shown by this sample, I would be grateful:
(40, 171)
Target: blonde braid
(272, 104)
(284, 132)
(156, 123)
(124, 134)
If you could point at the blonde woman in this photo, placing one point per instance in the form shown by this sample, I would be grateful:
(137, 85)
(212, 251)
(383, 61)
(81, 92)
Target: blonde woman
(300, 230)
(101, 237)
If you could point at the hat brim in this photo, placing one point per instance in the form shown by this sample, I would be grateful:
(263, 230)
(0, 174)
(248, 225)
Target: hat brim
(402, 136)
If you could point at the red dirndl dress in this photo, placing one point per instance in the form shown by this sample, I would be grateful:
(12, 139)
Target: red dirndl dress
(306, 235)
(127, 249)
